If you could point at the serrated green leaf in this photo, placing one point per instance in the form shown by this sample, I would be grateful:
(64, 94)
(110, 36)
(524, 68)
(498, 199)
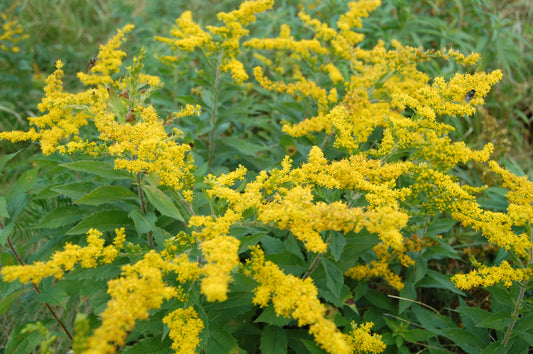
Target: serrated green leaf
(441, 226)
(498, 320)
(103, 221)
(143, 222)
(74, 190)
(106, 194)
(53, 296)
(464, 339)
(334, 277)
(59, 217)
(162, 202)
(273, 340)
(220, 341)
(98, 168)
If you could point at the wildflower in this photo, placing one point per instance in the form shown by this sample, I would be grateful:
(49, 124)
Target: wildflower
(221, 255)
(488, 276)
(185, 328)
(63, 261)
(296, 298)
(139, 289)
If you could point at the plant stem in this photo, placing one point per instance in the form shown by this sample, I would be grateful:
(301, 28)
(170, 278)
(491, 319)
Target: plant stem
(150, 236)
(36, 288)
(516, 312)
(214, 114)
(519, 299)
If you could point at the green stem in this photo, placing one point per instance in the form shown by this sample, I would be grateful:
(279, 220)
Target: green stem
(315, 261)
(519, 299)
(150, 236)
(214, 114)
(36, 288)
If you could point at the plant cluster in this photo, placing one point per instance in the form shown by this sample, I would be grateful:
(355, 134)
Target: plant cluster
(304, 186)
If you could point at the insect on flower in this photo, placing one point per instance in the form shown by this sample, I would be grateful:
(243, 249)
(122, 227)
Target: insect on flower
(91, 63)
(470, 95)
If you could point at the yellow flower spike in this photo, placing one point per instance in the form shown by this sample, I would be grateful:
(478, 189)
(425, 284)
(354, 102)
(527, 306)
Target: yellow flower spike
(221, 255)
(139, 289)
(63, 261)
(488, 276)
(188, 34)
(185, 328)
(108, 61)
(295, 298)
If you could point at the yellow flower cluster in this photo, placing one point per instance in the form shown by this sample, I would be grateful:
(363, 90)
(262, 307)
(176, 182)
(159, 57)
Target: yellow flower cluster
(139, 289)
(296, 298)
(136, 138)
(89, 256)
(362, 341)
(107, 62)
(185, 328)
(222, 255)
(488, 276)
(11, 31)
(224, 40)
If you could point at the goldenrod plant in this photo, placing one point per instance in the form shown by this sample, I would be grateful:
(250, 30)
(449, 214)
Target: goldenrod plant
(299, 192)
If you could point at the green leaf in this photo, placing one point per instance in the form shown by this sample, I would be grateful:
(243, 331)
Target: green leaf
(336, 245)
(380, 301)
(103, 221)
(53, 296)
(74, 190)
(312, 347)
(464, 339)
(98, 168)
(498, 320)
(220, 341)
(269, 316)
(435, 279)
(59, 217)
(5, 232)
(16, 196)
(22, 343)
(151, 345)
(250, 240)
(334, 277)
(243, 146)
(6, 158)
(106, 194)
(441, 226)
(3, 207)
(416, 335)
(162, 202)
(273, 340)
(7, 301)
(143, 222)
